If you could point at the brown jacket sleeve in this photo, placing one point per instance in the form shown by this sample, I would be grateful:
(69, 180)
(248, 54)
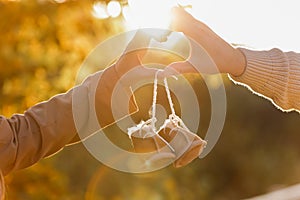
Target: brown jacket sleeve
(48, 126)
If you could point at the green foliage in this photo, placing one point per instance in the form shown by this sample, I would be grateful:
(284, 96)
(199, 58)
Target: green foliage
(42, 47)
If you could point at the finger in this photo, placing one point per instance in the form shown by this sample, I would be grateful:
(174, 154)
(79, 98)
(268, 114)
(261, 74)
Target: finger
(179, 68)
(138, 74)
(134, 52)
(160, 35)
(179, 18)
(180, 13)
(140, 41)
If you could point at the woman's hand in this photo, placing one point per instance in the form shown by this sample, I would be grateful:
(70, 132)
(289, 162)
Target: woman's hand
(209, 52)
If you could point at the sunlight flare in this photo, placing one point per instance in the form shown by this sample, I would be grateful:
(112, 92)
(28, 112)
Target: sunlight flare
(149, 14)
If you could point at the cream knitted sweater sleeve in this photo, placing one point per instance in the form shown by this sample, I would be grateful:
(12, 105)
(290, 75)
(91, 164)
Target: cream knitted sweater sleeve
(274, 75)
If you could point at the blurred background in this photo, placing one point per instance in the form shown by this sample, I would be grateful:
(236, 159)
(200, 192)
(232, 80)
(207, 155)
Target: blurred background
(43, 44)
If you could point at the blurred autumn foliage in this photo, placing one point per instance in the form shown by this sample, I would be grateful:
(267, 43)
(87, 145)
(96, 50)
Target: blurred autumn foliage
(43, 45)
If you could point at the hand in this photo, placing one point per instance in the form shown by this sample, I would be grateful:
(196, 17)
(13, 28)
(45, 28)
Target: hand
(114, 96)
(209, 52)
(129, 67)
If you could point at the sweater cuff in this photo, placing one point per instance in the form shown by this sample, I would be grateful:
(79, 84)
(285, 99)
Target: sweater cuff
(266, 74)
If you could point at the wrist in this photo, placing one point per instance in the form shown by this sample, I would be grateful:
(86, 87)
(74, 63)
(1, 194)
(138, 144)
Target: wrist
(238, 66)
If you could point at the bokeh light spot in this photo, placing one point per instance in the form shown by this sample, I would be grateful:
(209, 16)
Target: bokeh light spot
(114, 8)
(99, 10)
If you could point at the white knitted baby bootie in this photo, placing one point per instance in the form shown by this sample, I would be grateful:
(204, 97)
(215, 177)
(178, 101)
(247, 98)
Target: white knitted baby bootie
(186, 144)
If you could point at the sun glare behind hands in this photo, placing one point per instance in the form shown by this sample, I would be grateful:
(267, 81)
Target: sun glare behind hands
(148, 14)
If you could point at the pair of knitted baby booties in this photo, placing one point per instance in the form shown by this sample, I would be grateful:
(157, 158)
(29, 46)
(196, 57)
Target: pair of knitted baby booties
(173, 142)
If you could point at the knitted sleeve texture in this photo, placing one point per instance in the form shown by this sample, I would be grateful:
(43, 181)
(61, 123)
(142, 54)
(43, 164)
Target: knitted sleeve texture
(273, 74)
